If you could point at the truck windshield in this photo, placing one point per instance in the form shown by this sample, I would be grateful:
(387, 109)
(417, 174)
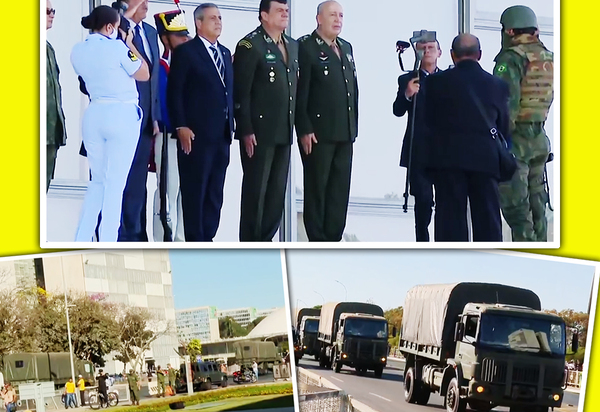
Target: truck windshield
(522, 334)
(311, 325)
(366, 328)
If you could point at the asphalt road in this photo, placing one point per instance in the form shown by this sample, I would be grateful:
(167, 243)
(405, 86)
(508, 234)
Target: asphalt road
(387, 394)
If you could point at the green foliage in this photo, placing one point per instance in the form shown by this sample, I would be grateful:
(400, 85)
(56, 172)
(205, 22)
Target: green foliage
(394, 318)
(215, 395)
(578, 320)
(229, 328)
(317, 307)
(579, 356)
(194, 348)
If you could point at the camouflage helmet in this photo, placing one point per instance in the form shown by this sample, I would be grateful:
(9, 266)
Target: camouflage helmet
(518, 17)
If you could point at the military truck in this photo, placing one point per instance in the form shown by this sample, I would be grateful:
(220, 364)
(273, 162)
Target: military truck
(309, 328)
(353, 334)
(264, 353)
(45, 367)
(483, 344)
(302, 313)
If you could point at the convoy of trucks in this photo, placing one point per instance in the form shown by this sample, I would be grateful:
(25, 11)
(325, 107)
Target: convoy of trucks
(306, 330)
(45, 367)
(354, 334)
(484, 345)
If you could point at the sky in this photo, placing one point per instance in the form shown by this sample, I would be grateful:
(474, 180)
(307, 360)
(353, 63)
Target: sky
(384, 276)
(233, 278)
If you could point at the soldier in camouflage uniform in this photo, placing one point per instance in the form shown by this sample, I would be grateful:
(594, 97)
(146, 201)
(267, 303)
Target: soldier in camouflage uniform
(134, 388)
(527, 66)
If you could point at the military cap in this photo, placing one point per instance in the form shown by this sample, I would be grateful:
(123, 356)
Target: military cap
(171, 22)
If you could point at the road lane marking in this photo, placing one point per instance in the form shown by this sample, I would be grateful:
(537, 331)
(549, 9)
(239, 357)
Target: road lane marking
(333, 377)
(379, 396)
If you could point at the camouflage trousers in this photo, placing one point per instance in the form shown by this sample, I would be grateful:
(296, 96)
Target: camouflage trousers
(524, 198)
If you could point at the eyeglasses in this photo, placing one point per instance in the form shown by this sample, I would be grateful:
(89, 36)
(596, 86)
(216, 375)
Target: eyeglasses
(50, 11)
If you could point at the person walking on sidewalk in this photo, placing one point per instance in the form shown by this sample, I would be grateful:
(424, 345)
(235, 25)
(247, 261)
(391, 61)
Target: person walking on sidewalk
(70, 392)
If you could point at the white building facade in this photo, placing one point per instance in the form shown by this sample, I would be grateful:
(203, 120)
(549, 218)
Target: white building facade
(197, 323)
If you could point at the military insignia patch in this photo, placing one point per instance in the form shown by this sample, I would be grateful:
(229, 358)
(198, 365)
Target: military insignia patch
(501, 68)
(268, 39)
(245, 43)
(270, 56)
(319, 41)
(349, 56)
(132, 56)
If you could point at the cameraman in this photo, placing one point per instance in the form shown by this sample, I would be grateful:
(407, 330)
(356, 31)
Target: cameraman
(409, 85)
(111, 123)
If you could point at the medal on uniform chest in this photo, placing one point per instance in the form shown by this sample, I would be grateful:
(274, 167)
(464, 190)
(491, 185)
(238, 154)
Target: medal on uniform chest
(270, 60)
(325, 72)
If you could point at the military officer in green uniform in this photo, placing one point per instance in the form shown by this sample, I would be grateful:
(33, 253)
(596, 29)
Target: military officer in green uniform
(160, 380)
(56, 131)
(134, 389)
(265, 67)
(527, 65)
(326, 123)
(172, 374)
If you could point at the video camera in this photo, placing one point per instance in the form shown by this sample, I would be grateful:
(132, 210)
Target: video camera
(422, 36)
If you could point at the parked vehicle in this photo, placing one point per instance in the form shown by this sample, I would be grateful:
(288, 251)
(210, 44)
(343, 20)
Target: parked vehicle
(204, 376)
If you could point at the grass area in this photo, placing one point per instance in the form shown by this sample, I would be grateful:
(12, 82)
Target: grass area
(252, 403)
(215, 395)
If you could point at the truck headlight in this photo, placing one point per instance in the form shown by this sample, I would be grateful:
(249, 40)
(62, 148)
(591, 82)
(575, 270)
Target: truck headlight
(555, 397)
(383, 359)
(344, 355)
(305, 347)
(480, 389)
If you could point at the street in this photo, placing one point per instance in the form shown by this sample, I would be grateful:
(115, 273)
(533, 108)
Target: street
(387, 394)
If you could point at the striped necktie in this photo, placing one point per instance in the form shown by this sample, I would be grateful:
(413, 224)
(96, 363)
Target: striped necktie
(219, 62)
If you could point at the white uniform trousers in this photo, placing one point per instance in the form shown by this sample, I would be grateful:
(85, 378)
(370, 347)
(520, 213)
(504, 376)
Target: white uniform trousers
(110, 130)
(174, 208)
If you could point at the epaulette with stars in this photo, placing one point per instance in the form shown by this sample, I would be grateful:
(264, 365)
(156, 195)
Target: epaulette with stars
(304, 38)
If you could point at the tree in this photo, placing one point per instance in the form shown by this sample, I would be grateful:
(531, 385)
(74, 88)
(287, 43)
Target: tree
(94, 328)
(574, 320)
(394, 318)
(194, 349)
(255, 322)
(17, 324)
(138, 328)
(317, 307)
(229, 328)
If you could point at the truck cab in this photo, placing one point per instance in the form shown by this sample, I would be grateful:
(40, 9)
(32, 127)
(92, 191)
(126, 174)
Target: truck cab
(511, 356)
(309, 329)
(361, 342)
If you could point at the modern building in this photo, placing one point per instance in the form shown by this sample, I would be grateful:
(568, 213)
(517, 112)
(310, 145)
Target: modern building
(136, 278)
(197, 323)
(203, 322)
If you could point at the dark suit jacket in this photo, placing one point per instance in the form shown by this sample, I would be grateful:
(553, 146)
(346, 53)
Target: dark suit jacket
(400, 107)
(263, 107)
(460, 138)
(196, 96)
(327, 91)
(149, 92)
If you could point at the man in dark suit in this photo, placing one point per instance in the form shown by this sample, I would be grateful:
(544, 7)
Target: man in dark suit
(420, 184)
(326, 123)
(133, 217)
(463, 157)
(265, 78)
(200, 102)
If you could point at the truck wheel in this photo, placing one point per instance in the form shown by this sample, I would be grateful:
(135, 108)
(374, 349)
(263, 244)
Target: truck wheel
(337, 366)
(378, 371)
(480, 406)
(317, 356)
(411, 390)
(452, 401)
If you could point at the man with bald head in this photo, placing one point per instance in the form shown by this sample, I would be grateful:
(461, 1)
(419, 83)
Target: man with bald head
(463, 157)
(326, 123)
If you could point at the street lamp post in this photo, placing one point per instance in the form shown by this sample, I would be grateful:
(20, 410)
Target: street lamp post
(68, 325)
(346, 290)
(320, 295)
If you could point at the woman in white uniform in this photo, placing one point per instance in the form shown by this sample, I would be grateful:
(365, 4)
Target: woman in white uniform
(111, 123)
